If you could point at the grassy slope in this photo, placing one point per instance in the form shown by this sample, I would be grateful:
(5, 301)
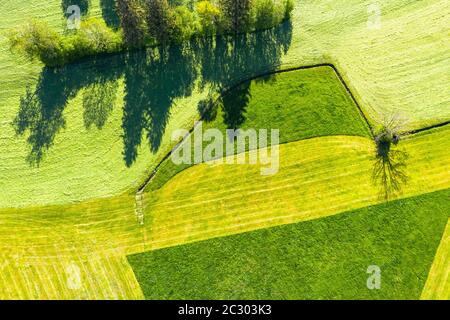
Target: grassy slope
(90, 161)
(317, 177)
(300, 104)
(401, 67)
(321, 259)
(438, 282)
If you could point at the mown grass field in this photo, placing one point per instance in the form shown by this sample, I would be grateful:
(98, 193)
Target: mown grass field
(320, 259)
(438, 284)
(300, 104)
(48, 239)
(399, 67)
(317, 177)
(76, 208)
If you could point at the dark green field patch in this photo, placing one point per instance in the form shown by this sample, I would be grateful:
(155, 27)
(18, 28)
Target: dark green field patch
(319, 259)
(301, 104)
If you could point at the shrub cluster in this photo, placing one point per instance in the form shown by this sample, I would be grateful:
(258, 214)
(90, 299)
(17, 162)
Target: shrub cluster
(38, 40)
(148, 22)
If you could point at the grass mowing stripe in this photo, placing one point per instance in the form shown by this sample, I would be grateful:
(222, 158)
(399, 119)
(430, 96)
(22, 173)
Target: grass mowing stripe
(438, 282)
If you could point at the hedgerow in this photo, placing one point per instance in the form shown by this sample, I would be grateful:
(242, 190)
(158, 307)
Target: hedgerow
(145, 23)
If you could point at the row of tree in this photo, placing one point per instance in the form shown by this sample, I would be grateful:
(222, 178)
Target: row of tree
(156, 19)
(147, 22)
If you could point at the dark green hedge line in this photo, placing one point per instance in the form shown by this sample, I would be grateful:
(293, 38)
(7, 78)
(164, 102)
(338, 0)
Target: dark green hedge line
(146, 23)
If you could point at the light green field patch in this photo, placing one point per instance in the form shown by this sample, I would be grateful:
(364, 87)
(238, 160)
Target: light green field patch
(438, 282)
(399, 68)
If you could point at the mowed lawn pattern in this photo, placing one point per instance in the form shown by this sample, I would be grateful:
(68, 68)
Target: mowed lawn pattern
(301, 104)
(321, 259)
(317, 177)
(438, 282)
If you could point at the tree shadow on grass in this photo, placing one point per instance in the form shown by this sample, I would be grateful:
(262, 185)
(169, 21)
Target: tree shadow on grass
(154, 78)
(82, 4)
(98, 102)
(41, 111)
(390, 172)
(152, 83)
(229, 60)
(234, 105)
(109, 13)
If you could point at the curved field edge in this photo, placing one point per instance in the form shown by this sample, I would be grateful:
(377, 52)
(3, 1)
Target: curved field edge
(301, 103)
(337, 171)
(437, 286)
(320, 259)
(387, 70)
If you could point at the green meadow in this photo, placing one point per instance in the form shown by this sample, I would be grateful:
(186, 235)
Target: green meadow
(79, 141)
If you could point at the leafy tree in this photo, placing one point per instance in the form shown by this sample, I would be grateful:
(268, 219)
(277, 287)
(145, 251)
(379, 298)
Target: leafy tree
(184, 24)
(160, 20)
(266, 14)
(209, 16)
(237, 14)
(38, 40)
(132, 21)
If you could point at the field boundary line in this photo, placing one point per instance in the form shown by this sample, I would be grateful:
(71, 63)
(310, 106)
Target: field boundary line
(226, 90)
(437, 285)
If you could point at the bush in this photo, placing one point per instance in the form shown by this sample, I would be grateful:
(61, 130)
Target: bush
(265, 16)
(209, 16)
(94, 36)
(38, 40)
(269, 13)
(184, 24)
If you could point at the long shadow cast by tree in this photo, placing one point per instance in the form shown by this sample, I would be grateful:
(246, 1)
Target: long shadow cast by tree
(41, 111)
(154, 78)
(98, 102)
(109, 13)
(234, 105)
(389, 171)
(229, 60)
(82, 4)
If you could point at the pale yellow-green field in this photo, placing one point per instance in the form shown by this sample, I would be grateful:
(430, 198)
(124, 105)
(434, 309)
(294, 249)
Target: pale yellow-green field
(438, 282)
(401, 68)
